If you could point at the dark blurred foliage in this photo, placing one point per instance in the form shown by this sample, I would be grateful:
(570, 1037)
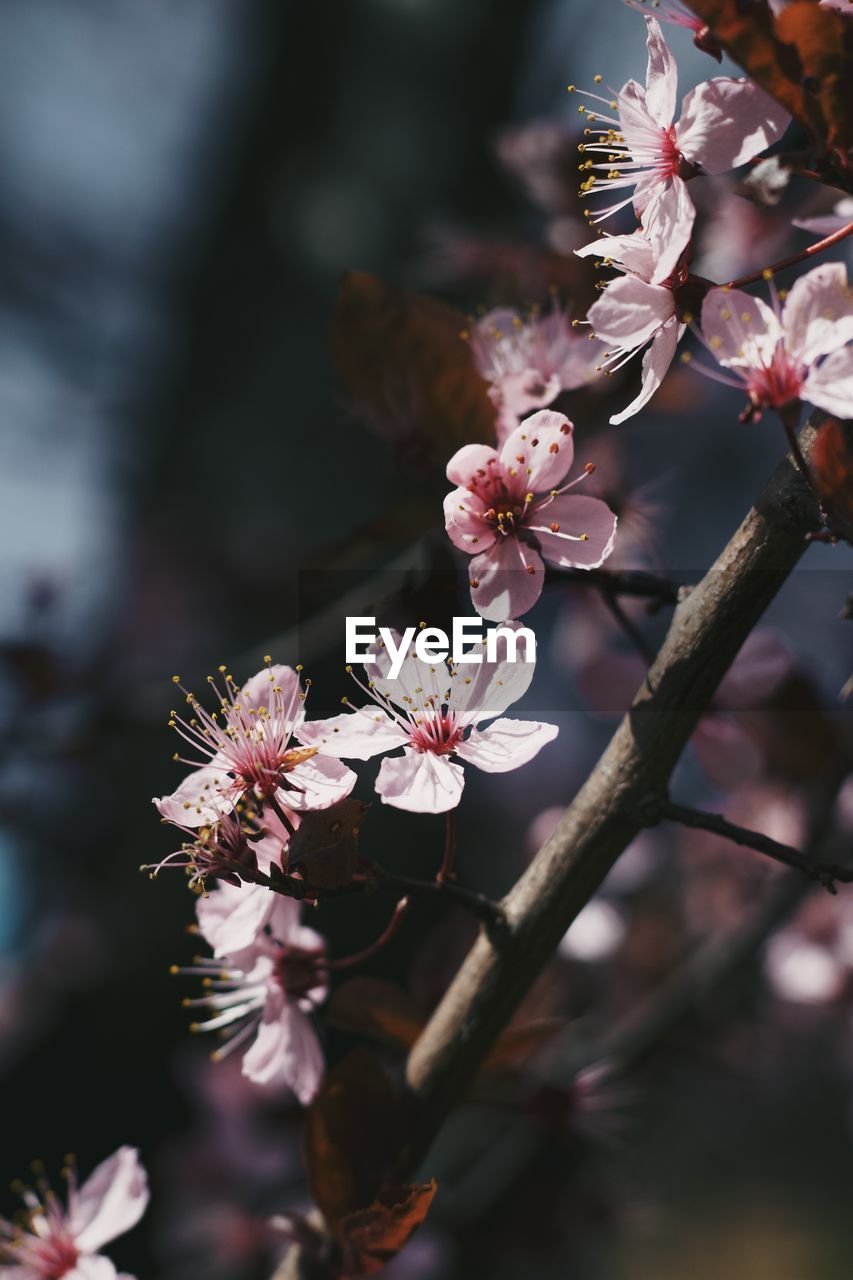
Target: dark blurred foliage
(184, 482)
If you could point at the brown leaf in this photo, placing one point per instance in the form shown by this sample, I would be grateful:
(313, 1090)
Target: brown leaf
(832, 468)
(325, 844)
(354, 1131)
(372, 1237)
(378, 1009)
(408, 371)
(803, 57)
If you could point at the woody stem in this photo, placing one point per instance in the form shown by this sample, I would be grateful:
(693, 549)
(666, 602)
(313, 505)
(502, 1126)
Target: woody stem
(366, 953)
(817, 247)
(446, 870)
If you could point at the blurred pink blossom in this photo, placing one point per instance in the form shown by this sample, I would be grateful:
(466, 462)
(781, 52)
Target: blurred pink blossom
(842, 214)
(529, 361)
(64, 1242)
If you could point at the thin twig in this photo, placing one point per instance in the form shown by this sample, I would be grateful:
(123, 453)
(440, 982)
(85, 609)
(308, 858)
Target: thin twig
(827, 874)
(629, 582)
(632, 631)
(446, 869)
(818, 247)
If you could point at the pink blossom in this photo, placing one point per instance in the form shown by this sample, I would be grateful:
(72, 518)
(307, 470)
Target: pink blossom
(840, 6)
(724, 123)
(247, 749)
(792, 351)
(267, 974)
(496, 516)
(633, 312)
(842, 213)
(433, 712)
(674, 13)
(224, 847)
(63, 1242)
(528, 362)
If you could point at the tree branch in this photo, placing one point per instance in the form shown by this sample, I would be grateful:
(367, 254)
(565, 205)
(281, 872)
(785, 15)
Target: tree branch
(827, 874)
(707, 630)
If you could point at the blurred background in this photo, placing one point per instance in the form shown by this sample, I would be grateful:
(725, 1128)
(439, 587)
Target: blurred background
(186, 480)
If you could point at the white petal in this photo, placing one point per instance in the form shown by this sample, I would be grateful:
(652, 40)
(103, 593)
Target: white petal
(656, 362)
(420, 782)
(481, 691)
(359, 734)
(232, 917)
(204, 795)
(506, 744)
(111, 1201)
(509, 578)
(818, 313)
(661, 76)
(725, 122)
(668, 219)
(316, 784)
(830, 385)
(286, 1052)
(741, 331)
(630, 312)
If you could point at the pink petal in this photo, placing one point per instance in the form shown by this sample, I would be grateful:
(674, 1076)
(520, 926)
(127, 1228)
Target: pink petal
(286, 1052)
(740, 330)
(656, 361)
(257, 692)
(630, 312)
(359, 734)
(111, 1201)
(661, 76)
(232, 916)
(726, 753)
(506, 744)
(316, 784)
(420, 782)
(641, 131)
(203, 796)
(509, 578)
(633, 252)
(90, 1267)
(463, 520)
(726, 122)
(818, 313)
(467, 461)
(540, 451)
(830, 385)
(481, 691)
(576, 515)
(668, 219)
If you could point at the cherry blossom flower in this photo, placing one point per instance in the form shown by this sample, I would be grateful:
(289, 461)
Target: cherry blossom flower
(496, 516)
(633, 312)
(433, 712)
(791, 351)
(528, 362)
(266, 975)
(724, 123)
(842, 213)
(226, 847)
(840, 6)
(248, 750)
(63, 1242)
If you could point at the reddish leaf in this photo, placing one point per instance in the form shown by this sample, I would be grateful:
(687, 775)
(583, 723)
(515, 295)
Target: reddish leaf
(354, 1131)
(372, 1237)
(325, 844)
(408, 371)
(378, 1009)
(803, 57)
(832, 469)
